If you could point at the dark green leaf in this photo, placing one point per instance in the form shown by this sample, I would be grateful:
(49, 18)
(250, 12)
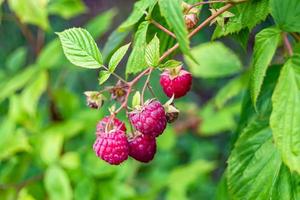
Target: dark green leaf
(286, 14)
(80, 48)
(172, 11)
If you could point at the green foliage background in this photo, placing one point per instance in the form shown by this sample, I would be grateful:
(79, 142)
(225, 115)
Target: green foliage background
(238, 129)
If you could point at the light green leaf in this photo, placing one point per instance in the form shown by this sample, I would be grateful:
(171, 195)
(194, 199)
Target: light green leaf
(266, 43)
(12, 140)
(215, 60)
(246, 15)
(152, 52)
(172, 11)
(17, 82)
(138, 12)
(57, 184)
(31, 11)
(286, 14)
(170, 64)
(80, 48)
(70, 160)
(285, 116)
(231, 89)
(66, 8)
(255, 162)
(136, 99)
(51, 146)
(136, 61)
(33, 92)
(103, 76)
(117, 57)
(101, 23)
(85, 189)
(16, 59)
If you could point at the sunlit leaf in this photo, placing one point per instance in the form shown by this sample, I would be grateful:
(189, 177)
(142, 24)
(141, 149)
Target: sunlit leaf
(117, 57)
(152, 52)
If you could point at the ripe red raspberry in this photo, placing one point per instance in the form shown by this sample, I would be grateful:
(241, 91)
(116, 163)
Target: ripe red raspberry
(112, 147)
(149, 119)
(115, 124)
(176, 81)
(142, 147)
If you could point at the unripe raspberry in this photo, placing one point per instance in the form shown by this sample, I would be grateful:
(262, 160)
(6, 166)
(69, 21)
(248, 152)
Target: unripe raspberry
(114, 124)
(176, 82)
(142, 147)
(149, 119)
(112, 147)
(191, 20)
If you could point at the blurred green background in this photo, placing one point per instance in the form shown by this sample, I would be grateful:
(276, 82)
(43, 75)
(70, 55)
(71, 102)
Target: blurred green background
(47, 131)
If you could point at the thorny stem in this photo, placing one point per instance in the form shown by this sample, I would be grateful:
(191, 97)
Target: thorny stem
(287, 44)
(171, 50)
(158, 25)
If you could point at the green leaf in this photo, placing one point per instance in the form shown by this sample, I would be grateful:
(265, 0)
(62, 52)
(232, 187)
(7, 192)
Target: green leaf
(286, 14)
(51, 146)
(16, 59)
(33, 92)
(231, 89)
(152, 52)
(255, 162)
(117, 57)
(57, 184)
(215, 60)
(136, 61)
(266, 43)
(85, 189)
(246, 15)
(138, 12)
(103, 76)
(31, 11)
(101, 23)
(136, 99)
(15, 83)
(80, 48)
(172, 11)
(12, 140)
(66, 8)
(285, 116)
(70, 160)
(170, 64)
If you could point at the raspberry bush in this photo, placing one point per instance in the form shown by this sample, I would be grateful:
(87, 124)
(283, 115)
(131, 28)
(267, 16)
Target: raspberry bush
(184, 99)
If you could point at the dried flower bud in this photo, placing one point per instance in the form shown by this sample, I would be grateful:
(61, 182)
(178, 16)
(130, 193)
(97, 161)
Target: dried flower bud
(191, 20)
(94, 99)
(119, 92)
(171, 111)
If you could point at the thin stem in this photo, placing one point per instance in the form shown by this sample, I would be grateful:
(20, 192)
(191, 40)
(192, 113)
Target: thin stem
(208, 2)
(158, 25)
(296, 36)
(146, 83)
(196, 30)
(116, 75)
(287, 44)
(40, 41)
(151, 90)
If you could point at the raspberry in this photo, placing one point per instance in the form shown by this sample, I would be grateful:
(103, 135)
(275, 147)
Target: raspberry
(149, 119)
(191, 20)
(115, 124)
(112, 147)
(142, 148)
(176, 82)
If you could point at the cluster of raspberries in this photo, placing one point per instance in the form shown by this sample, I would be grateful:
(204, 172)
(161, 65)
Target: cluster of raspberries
(149, 121)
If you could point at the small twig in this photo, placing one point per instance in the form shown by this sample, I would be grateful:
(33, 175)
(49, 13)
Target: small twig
(287, 44)
(296, 36)
(158, 25)
(146, 83)
(22, 184)
(40, 41)
(196, 30)
(151, 90)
